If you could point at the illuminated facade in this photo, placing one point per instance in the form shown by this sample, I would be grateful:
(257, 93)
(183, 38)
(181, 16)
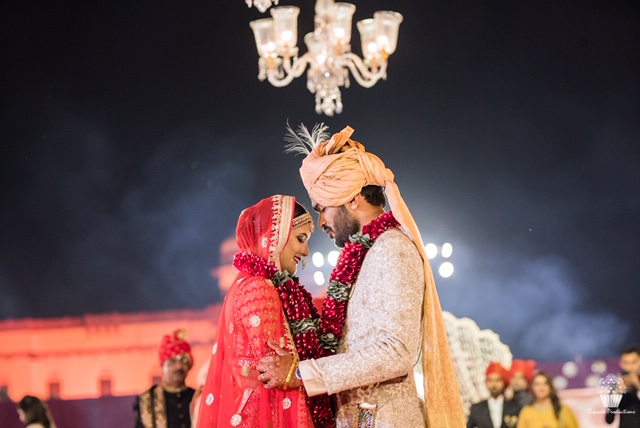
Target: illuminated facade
(100, 355)
(96, 355)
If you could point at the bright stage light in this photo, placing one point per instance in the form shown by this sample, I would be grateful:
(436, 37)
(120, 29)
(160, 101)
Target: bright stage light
(431, 250)
(317, 259)
(446, 269)
(560, 382)
(332, 257)
(599, 366)
(447, 250)
(570, 369)
(318, 278)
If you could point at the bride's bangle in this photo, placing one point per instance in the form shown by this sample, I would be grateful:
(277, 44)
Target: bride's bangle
(294, 365)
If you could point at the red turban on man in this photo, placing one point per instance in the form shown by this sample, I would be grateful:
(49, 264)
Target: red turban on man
(525, 367)
(174, 344)
(496, 367)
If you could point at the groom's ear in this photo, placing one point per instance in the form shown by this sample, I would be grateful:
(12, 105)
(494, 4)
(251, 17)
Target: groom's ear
(356, 201)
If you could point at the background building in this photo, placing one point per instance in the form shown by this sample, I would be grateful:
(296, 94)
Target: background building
(96, 355)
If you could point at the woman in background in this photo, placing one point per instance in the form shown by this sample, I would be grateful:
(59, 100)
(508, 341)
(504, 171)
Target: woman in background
(33, 413)
(545, 410)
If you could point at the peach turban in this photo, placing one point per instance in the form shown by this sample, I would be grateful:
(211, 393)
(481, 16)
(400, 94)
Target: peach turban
(333, 172)
(337, 170)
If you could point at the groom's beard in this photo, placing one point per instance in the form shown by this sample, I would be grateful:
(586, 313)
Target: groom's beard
(344, 226)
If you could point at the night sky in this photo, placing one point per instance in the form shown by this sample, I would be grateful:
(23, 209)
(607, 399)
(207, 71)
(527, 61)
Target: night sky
(134, 133)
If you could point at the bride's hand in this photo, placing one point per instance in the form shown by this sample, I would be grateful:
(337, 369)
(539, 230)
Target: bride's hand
(274, 369)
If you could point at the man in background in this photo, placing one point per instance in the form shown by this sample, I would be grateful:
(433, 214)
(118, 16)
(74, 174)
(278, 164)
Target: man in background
(167, 405)
(629, 408)
(521, 375)
(496, 411)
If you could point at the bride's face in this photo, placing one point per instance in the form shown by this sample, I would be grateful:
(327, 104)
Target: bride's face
(296, 248)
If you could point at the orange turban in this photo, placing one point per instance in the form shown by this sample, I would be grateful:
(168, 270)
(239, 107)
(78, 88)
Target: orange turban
(333, 172)
(525, 367)
(173, 345)
(496, 367)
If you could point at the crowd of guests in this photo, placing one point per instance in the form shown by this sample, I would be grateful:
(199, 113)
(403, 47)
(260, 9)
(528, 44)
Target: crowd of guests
(521, 397)
(532, 403)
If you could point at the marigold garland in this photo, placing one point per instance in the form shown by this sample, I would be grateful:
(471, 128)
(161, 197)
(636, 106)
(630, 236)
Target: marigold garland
(316, 336)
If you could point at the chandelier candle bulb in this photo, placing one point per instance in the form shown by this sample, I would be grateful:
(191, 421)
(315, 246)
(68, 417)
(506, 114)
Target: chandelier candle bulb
(341, 24)
(264, 36)
(285, 27)
(387, 27)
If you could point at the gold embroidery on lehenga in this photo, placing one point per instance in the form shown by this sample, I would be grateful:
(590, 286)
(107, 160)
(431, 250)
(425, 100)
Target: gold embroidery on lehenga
(245, 370)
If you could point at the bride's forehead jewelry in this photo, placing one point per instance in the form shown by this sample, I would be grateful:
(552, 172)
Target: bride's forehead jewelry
(302, 219)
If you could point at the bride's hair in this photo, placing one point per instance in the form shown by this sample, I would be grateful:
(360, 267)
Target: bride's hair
(299, 210)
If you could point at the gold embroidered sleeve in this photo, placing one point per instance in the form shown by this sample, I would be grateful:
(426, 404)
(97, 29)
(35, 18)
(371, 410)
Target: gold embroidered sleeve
(259, 312)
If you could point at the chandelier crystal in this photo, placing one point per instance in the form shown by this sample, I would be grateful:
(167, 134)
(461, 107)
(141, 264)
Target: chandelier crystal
(328, 55)
(261, 5)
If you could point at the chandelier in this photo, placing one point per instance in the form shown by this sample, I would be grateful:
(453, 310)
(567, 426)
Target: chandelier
(328, 55)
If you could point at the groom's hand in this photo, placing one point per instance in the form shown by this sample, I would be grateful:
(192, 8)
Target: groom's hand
(274, 369)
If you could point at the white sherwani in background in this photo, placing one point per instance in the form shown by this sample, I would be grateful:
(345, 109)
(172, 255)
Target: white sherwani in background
(381, 341)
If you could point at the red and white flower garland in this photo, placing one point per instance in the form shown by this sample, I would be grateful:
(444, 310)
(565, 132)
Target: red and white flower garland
(344, 275)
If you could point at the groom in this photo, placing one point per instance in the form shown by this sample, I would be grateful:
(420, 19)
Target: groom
(393, 308)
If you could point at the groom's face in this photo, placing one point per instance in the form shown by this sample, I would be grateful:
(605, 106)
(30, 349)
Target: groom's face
(338, 222)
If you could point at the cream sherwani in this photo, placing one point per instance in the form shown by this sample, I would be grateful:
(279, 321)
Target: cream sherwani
(381, 341)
